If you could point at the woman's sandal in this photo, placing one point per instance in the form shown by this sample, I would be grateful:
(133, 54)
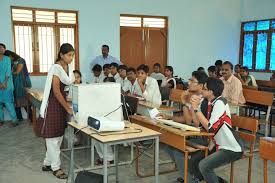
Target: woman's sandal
(46, 168)
(60, 174)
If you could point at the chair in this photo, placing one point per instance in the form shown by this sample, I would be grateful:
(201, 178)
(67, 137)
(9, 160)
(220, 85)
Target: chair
(265, 100)
(176, 96)
(247, 129)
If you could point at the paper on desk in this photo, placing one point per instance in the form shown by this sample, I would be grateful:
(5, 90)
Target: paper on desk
(153, 113)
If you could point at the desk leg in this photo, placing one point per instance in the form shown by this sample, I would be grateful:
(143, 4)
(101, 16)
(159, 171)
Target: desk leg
(265, 171)
(132, 152)
(185, 167)
(92, 152)
(70, 143)
(157, 159)
(105, 166)
(116, 161)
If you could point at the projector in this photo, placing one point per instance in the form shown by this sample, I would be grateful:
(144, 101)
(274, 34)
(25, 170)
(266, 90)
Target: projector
(103, 124)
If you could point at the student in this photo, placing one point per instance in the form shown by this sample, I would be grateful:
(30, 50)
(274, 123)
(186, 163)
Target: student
(55, 109)
(6, 88)
(134, 87)
(125, 83)
(105, 58)
(218, 65)
(195, 87)
(201, 69)
(77, 76)
(114, 71)
(156, 74)
(98, 75)
(212, 71)
(109, 80)
(237, 70)
(233, 90)
(169, 80)
(218, 121)
(107, 70)
(247, 79)
(272, 77)
(148, 85)
(21, 80)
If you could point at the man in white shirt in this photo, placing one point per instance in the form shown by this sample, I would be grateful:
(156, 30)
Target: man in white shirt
(134, 87)
(148, 85)
(98, 75)
(105, 58)
(114, 73)
(156, 74)
(125, 83)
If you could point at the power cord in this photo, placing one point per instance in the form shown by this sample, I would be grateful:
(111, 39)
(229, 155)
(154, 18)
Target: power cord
(113, 111)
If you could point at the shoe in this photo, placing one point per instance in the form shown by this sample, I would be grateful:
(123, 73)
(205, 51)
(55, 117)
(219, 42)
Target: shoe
(100, 162)
(181, 180)
(46, 168)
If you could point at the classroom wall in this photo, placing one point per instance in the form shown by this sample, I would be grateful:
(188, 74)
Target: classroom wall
(258, 10)
(200, 31)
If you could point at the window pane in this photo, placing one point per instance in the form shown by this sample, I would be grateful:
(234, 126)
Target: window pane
(263, 25)
(272, 55)
(261, 51)
(22, 15)
(44, 16)
(67, 36)
(273, 24)
(248, 50)
(250, 26)
(23, 44)
(66, 18)
(130, 21)
(46, 48)
(154, 22)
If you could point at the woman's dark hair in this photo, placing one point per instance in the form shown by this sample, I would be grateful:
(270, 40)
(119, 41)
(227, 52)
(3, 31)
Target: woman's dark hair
(64, 49)
(143, 67)
(79, 73)
(215, 85)
(97, 68)
(170, 68)
(131, 69)
(212, 68)
(238, 65)
(3, 45)
(12, 54)
(201, 76)
(109, 79)
(245, 69)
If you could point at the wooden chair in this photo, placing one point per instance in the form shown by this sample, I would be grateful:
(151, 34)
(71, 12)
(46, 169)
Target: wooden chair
(247, 129)
(175, 98)
(265, 99)
(250, 87)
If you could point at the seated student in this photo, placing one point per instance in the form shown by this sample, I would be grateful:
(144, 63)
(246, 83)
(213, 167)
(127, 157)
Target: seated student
(247, 79)
(169, 81)
(134, 87)
(218, 65)
(272, 77)
(201, 69)
(148, 85)
(109, 80)
(212, 71)
(77, 76)
(237, 70)
(98, 75)
(107, 70)
(156, 74)
(195, 87)
(233, 90)
(114, 71)
(227, 146)
(125, 83)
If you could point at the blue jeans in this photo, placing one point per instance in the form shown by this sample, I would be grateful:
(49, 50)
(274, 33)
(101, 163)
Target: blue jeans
(10, 108)
(215, 160)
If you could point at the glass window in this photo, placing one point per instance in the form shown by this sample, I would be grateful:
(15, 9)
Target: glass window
(272, 56)
(248, 50)
(261, 51)
(263, 25)
(250, 26)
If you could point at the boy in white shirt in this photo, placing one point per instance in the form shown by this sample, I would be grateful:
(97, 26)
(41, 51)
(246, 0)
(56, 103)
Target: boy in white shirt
(125, 83)
(98, 75)
(156, 74)
(107, 70)
(134, 87)
(114, 68)
(148, 85)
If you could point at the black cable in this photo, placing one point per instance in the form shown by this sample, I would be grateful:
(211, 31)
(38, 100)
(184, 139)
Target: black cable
(113, 111)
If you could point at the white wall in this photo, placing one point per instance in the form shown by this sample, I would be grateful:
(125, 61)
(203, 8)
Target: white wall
(258, 10)
(200, 31)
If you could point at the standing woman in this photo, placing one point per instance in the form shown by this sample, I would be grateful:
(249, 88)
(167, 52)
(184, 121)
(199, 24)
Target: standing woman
(55, 109)
(21, 80)
(6, 88)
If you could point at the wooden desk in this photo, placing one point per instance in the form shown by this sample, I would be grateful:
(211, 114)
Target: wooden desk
(115, 138)
(267, 149)
(143, 107)
(266, 83)
(173, 137)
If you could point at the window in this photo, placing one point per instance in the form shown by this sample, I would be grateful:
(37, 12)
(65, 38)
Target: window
(38, 34)
(142, 21)
(257, 46)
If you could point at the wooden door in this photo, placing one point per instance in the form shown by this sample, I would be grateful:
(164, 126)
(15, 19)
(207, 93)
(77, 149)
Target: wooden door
(131, 46)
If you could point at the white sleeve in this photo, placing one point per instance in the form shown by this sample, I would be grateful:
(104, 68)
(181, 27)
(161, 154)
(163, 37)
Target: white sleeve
(152, 93)
(217, 112)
